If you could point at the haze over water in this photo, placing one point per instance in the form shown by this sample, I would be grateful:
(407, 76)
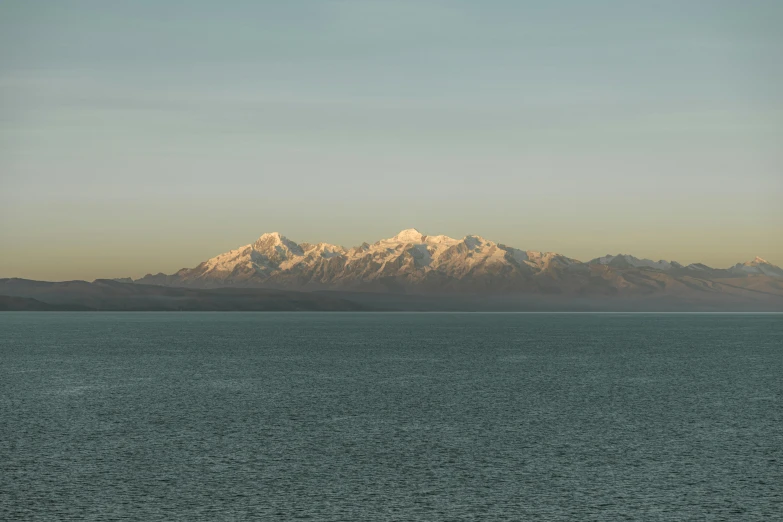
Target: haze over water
(166, 416)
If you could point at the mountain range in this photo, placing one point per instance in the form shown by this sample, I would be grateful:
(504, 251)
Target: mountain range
(416, 271)
(412, 262)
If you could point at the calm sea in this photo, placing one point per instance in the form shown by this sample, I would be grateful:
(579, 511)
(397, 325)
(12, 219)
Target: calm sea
(340, 416)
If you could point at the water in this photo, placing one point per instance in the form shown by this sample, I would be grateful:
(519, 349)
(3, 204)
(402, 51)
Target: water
(365, 417)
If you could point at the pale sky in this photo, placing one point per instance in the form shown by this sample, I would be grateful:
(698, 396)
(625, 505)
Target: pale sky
(148, 136)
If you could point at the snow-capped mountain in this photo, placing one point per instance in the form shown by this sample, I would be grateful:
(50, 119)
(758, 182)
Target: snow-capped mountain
(757, 267)
(413, 262)
(409, 259)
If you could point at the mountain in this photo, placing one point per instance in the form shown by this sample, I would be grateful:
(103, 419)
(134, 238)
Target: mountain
(627, 261)
(26, 304)
(407, 262)
(414, 263)
(757, 267)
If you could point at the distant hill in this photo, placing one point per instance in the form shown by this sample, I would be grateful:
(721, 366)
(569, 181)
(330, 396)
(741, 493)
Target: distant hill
(18, 304)
(23, 294)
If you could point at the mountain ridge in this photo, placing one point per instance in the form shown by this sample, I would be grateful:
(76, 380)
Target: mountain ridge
(412, 262)
(109, 295)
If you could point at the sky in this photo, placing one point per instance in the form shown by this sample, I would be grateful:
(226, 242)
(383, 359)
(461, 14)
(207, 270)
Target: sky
(148, 136)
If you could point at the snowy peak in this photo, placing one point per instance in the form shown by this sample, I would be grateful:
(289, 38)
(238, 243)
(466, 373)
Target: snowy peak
(756, 262)
(324, 250)
(272, 239)
(757, 266)
(409, 235)
(439, 240)
(275, 236)
(276, 244)
(413, 236)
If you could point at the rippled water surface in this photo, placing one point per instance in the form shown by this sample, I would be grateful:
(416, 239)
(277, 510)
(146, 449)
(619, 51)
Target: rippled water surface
(167, 416)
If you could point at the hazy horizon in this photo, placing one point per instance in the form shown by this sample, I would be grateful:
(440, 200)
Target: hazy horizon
(148, 137)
